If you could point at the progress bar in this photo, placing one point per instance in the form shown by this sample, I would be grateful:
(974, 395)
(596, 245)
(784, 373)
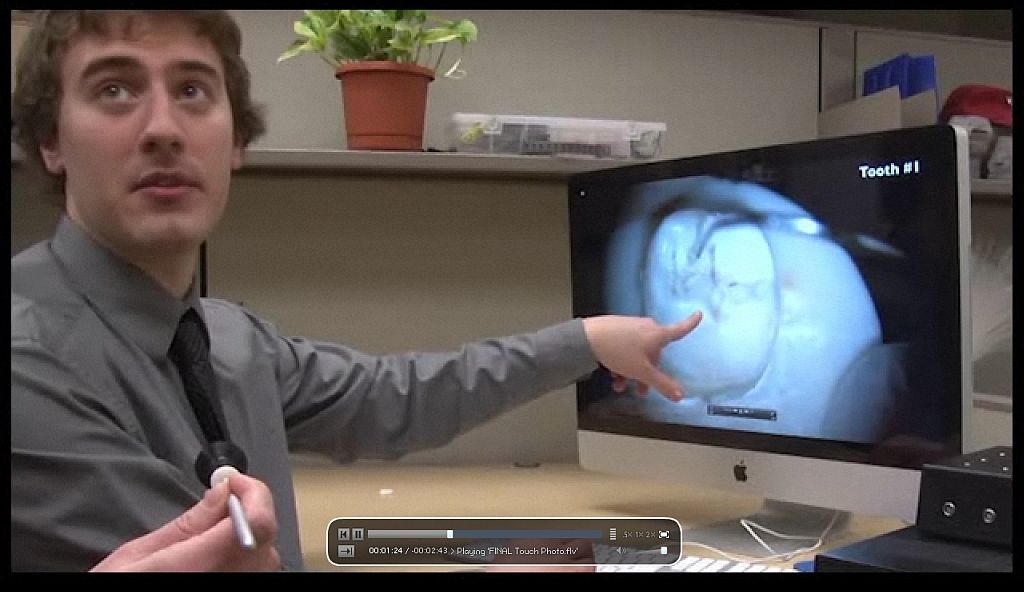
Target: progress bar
(482, 534)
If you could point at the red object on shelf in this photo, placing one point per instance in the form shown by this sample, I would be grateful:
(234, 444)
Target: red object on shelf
(991, 102)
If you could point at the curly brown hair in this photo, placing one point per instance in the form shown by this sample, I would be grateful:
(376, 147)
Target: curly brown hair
(35, 103)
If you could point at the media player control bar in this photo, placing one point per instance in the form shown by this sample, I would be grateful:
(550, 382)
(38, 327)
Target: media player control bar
(352, 541)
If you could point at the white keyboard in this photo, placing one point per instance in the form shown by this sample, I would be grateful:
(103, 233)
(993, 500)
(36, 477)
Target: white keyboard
(693, 563)
(626, 559)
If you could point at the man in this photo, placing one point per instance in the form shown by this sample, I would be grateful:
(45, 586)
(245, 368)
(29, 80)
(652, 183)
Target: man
(141, 117)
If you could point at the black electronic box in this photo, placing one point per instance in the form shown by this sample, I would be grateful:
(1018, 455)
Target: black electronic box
(911, 550)
(969, 497)
(964, 522)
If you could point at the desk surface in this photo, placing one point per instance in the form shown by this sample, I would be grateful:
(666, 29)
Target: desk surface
(327, 492)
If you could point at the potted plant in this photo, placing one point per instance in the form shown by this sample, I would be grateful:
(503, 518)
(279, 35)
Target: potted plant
(384, 59)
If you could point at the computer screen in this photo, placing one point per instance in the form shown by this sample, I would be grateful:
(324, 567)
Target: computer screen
(832, 360)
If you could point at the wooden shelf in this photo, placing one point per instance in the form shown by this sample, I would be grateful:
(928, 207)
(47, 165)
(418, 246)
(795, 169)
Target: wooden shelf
(993, 402)
(992, 189)
(472, 165)
(368, 162)
(423, 163)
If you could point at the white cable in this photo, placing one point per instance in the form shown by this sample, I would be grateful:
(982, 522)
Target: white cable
(750, 525)
(775, 555)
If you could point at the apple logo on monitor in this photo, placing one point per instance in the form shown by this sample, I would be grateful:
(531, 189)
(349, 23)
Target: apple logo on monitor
(739, 471)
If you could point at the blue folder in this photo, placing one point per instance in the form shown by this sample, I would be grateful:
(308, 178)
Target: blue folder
(912, 74)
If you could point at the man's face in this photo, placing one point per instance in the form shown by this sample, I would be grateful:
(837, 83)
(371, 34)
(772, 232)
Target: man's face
(145, 138)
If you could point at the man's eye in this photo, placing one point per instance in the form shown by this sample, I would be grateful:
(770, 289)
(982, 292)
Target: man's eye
(114, 91)
(194, 91)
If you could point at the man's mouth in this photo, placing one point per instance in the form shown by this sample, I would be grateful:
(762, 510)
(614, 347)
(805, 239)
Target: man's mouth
(165, 180)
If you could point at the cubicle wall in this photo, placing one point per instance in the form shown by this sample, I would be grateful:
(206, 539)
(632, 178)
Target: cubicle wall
(958, 60)
(719, 83)
(390, 262)
(408, 263)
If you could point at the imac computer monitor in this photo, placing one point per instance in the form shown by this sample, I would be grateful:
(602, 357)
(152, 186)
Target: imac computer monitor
(832, 360)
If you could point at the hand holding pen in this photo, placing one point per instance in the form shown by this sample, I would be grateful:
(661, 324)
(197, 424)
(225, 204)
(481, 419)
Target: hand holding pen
(241, 523)
(201, 539)
(220, 461)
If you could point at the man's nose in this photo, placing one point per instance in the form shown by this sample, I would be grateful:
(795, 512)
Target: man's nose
(163, 133)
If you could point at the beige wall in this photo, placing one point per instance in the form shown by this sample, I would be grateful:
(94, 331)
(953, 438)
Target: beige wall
(719, 83)
(405, 264)
(19, 30)
(32, 219)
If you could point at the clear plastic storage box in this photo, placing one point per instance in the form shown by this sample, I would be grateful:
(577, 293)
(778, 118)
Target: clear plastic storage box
(555, 136)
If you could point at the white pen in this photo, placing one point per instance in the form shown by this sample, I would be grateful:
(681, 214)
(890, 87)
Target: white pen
(242, 529)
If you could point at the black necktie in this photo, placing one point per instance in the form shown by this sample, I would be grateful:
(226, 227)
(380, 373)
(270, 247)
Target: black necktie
(190, 352)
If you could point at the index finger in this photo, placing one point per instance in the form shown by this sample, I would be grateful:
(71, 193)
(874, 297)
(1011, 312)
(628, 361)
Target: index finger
(210, 550)
(682, 328)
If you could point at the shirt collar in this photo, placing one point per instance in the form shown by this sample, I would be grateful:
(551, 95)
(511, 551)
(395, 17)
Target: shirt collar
(136, 306)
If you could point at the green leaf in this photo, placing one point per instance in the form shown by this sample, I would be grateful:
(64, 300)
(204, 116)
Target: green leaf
(314, 21)
(348, 47)
(398, 35)
(438, 36)
(303, 30)
(401, 45)
(298, 46)
(466, 30)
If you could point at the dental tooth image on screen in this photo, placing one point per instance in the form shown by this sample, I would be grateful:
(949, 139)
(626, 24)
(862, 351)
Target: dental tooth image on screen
(790, 330)
(833, 356)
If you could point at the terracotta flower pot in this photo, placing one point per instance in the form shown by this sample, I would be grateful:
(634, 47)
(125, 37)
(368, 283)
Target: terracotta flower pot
(385, 104)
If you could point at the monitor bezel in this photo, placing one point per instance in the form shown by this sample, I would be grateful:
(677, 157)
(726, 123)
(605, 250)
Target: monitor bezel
(847, 452)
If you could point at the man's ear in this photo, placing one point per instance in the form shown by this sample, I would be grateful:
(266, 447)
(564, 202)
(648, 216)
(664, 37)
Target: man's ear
(52, 158)
(236, 157)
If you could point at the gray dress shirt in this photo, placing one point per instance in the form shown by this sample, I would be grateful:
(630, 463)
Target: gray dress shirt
(103, 440)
